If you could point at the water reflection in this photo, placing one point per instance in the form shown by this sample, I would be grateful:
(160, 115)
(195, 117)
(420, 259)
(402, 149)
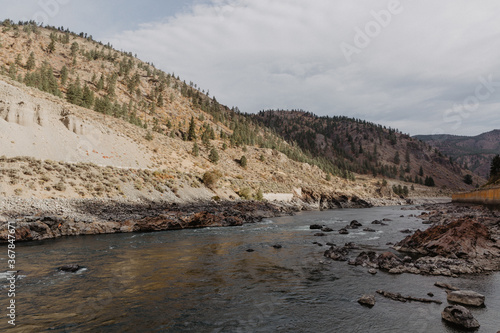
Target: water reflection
(206, 281)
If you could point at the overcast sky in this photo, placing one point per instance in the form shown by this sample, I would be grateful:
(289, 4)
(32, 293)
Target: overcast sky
(425, 67)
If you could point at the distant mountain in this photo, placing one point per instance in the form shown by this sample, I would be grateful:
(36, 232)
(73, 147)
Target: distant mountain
(366, 148)
(472, 152)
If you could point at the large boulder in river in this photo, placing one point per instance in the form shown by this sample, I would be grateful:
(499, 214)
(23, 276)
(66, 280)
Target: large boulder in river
(460, 316)
(466, 297)
(368, 300)
(354, 224)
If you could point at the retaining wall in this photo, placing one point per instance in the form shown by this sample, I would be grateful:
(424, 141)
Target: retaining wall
(487, 196)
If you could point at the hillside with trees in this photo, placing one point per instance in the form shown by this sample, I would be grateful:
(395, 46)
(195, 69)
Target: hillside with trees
(361, 147)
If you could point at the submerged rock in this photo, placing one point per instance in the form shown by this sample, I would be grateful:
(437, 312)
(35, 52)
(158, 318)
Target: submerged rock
(458, 315)
(337, 253)
(445, 286)
(70, 268)
(315, 226)
(466, 297)
(326, 229)
(354, 224)
(343, 231)
(366, 259)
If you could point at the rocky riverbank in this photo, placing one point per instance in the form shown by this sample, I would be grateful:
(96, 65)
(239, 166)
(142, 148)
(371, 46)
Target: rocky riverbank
(45, 219)
(38, 219)
(462, 239)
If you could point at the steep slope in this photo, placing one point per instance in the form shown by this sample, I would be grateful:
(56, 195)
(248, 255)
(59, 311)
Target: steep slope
(366, 148)
(472, 152)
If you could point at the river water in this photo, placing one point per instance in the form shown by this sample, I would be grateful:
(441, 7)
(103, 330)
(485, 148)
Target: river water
(205, 280)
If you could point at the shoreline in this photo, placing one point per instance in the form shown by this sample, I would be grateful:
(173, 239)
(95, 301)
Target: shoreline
(436, 252)
(40, 219)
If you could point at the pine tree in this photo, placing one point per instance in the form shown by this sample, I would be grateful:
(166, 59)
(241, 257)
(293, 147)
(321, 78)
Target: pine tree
(74, 94)
(52, 47)
(196, 150)
(429, 181)
(421, 171)
(495, 168)
(30, 63)
(192, 130)
(74, 48)
(64, 75)
(12, 71)
(87, 97)
(396, 158)
(19, 60)
(100, 83)
(468, 179)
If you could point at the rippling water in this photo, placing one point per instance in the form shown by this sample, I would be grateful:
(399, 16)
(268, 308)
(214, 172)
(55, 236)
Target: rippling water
(204, 280)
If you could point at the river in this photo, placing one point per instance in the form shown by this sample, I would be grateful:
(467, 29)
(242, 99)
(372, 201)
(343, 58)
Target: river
(205, 280)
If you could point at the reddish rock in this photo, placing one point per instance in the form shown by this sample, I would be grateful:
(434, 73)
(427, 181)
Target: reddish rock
(463, 238)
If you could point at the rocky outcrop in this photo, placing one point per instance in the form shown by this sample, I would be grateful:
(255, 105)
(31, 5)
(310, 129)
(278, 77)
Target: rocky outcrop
(324, 200)
(460, 316)
(463, 238)
(466, 297)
